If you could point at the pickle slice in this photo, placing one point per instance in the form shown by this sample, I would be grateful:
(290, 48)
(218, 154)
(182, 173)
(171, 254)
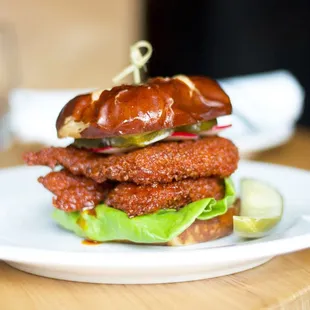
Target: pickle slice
(261, 209)
(251, 227)
(143, 139)
(124, 141)
(139, 140)
(196, 128)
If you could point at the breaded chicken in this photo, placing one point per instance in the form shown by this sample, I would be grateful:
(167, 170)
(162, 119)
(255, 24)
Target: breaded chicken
(144, 199)
(74, 193)
(162, 162)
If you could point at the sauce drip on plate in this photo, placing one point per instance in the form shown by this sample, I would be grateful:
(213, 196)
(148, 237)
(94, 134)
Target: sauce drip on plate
(90, 242)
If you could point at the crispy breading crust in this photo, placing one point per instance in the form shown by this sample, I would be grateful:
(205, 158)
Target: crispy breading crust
(159, 163)
(145, 199)
(74, 193)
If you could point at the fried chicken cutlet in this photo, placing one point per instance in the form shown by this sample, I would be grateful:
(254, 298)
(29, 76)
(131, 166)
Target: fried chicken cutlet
(74, 193)
(159, 163)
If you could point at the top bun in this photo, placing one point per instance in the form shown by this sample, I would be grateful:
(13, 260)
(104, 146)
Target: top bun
(160, 103)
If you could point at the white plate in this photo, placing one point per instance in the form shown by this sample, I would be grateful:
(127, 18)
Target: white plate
(31, 241)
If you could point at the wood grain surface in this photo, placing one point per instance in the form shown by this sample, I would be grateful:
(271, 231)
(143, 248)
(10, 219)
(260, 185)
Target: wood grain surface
(282, 283)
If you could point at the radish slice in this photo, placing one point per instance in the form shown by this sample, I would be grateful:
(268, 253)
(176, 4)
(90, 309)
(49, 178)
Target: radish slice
(214, 130)
(176, 136)
(111, 150)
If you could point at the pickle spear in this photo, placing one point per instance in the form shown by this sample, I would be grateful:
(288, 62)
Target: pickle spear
(261, 209)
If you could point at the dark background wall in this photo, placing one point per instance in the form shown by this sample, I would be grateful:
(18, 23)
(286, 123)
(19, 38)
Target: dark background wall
(223, 38)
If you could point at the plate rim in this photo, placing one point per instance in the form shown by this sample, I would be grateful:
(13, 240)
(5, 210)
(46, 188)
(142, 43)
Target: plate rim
(192, 257)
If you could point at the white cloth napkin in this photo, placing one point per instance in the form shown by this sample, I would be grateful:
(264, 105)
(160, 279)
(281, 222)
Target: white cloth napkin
(33, 114)
(266, 107)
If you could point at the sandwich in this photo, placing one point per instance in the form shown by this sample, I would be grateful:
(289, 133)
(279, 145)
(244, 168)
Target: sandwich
(146, 164)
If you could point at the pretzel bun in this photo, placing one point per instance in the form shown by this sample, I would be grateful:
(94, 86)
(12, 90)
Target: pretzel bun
(160, 103)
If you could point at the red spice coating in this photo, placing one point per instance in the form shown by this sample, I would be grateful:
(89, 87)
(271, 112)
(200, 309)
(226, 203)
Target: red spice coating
(162, 162)
(73, 192)
(144, 199)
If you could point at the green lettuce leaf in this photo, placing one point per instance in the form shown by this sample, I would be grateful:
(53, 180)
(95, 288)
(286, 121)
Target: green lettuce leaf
(111, 224)
(216, 208)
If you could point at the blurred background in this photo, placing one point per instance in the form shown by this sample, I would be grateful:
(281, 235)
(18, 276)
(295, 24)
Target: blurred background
(225, 38)
(258, 50)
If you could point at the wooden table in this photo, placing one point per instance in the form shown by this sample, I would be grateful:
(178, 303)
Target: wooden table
(282, 283)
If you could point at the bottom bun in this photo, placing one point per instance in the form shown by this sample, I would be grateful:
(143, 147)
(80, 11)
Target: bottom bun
(203, 231)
